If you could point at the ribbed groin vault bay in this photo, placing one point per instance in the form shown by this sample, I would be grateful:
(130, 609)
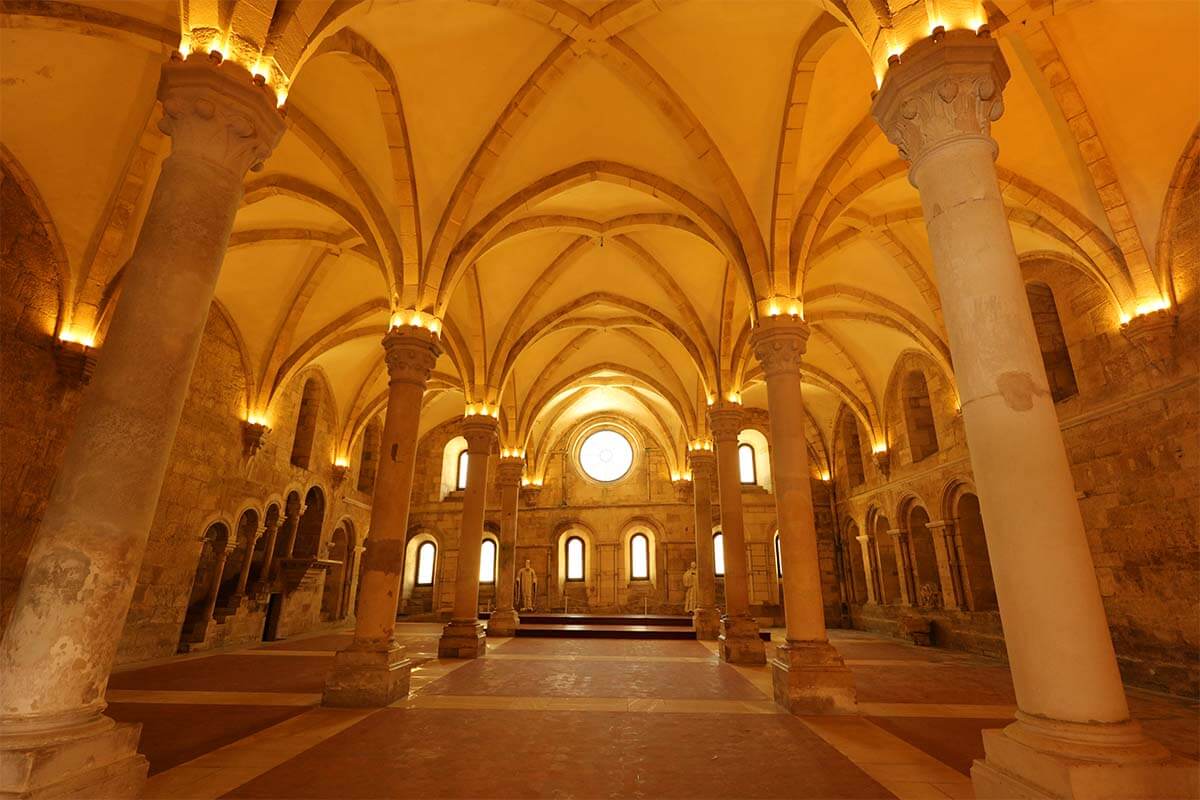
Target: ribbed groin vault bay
(600, 398)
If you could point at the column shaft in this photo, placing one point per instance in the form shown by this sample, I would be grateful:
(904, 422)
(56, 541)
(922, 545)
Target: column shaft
(864, 544)
(264, 569)
(705, 618)
(244, 575)
(504, 619)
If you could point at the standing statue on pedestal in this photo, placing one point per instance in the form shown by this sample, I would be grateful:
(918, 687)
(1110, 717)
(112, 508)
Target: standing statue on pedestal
(689, 583)
(527, 585)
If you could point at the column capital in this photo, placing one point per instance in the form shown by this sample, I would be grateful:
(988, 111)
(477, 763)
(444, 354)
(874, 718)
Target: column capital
(699, 460)
(216, 112)
(725, 419)
(779, 344)
(938, 524)
(944, 88)
(480, 432)
(509, 472)
(410, 353)
(896, 533)
(863, 538)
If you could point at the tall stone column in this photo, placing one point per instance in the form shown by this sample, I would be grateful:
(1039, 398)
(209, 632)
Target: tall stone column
(706, 619)
(291, 527)
(740, 642)
(464, 635)
(244, 575)
(864, 543)
(808, 674)
(1073, 736)
(504, 619)
(949, 575)
(373, 669)
(264, 570)
(75, 594)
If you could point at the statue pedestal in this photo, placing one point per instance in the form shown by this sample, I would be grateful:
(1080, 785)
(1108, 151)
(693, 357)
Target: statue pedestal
(811, 678)
(463, 638)
(740, 642)
(368, 678)
(707, 624)
(503, 623)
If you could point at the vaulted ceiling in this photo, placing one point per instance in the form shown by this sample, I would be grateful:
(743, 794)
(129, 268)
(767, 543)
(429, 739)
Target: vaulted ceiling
(596, 197)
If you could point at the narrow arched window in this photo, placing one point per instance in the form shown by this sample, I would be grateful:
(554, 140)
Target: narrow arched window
(487, 561)
(575, 564)
(306, 424)
(778, 558)
(639, 557)
(746, 472)
(1056, 357)
(368, 459)
(426, 556)
(918, 414)
(719, 554)
(460, 481)
(852, 446)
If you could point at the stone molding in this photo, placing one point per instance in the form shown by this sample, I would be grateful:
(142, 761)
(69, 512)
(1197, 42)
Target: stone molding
(779, 344)
(726, 420)
(410, 354)
(509, 471)
(215, 112)
(944, 88)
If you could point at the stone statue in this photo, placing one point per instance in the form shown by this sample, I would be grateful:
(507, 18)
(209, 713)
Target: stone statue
(527, 585)
(689, 583)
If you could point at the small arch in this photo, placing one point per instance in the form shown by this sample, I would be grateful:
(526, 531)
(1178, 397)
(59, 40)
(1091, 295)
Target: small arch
(1056, 356)
(926, 577)
(368, 456)
(778, 557)
(306, 423)
(312, 521)
(489, 563)
(718, 539)
(462, 469)
(754, 458)
(453, 456)
(885, 558)
(746, 471)
(857, 568)
(977, 567)
(336, 576)
(576, 559)
(639, 557)
(918, 416)
(851, 446)
(426, 563)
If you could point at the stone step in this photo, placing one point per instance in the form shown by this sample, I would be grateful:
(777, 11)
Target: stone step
(607, 631)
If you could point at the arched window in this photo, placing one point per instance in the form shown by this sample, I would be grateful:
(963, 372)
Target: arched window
(778, 558)
(487, 561)
(719, 554)
(918, 416)
(1051, 341)
(575, 566)
(460, 480)
(306, 423)
(426, 556)
(746, 472)
(368, 459)
(639, 557)
(852, 445)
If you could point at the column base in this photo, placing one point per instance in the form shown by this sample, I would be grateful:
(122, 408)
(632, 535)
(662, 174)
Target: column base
(368, 678)
(707, 624)
(463, 638)
(1040, 758)
(96, 759)
(503, 623)
(740, 642)
(811, 678)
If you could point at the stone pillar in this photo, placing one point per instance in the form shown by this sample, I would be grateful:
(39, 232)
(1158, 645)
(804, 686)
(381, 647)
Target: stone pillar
(373, 669)
(949, 574)
(706, 619)
(464, 635)
(83, 565)
(352, 596)
(264, 571)
(809, 676)
(740, 642)
(210, 604)
(504, 619)
(864, 543)
(291, 527)
(908, 595)
(244, 575)
(1073, 736)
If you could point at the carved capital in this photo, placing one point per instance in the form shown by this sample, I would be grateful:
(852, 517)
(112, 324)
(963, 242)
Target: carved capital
(215, 112)
(509, 472)
(725, 420)
(480, 433)
(253, 436)
(701, 463)
(942, 91)
(410, 354)
(779, 344)
(683, 490)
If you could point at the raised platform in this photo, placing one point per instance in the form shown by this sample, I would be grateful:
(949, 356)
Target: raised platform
(609, 626)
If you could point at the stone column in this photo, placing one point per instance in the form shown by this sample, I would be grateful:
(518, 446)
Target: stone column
(264, 570)
(464, 635)
(504, 619)
(352, 595)
(908, 595)
(942, 533)
(244, 575)
(291, 527)
(706, 619)
(83, 565)
(1073, 735)
(864, 543)
(808, 674)
(210, 604)
(373, 669)
(740, 642)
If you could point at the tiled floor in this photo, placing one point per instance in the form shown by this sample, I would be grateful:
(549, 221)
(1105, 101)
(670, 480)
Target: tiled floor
(568, 718)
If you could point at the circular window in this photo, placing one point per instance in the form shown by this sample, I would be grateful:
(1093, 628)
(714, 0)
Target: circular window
(606, 456)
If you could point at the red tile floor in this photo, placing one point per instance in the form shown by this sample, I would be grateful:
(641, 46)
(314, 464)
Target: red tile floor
(571, 718)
